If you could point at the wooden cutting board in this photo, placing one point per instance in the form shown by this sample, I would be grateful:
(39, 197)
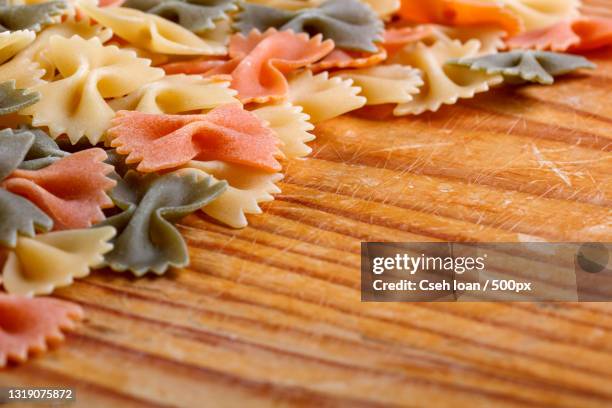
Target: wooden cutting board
(271, 315)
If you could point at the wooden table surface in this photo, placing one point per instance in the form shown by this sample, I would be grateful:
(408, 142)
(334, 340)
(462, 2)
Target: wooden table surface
(271, 315)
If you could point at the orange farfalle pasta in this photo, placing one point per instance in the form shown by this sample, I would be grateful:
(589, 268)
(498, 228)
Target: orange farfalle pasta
(394, 39)
(28, 325)
(258, 62)
(461, 13)
(582, 34)
(227, 133)
(72, 191)
(192, 67)
(340, 58)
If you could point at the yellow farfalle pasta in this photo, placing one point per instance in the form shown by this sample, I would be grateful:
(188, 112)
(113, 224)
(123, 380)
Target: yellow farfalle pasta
(156, 59)
(384, 8)
(444, 84)
(150, 31)
(220, 34)
(25, 72)
(491, 38)
(89, 73)
(11, 42)
(290, 125)
(537, 14)
(383, 84)
(247, 188)
(177, 94)
(36, 266)
(323, 98)
(30, 67)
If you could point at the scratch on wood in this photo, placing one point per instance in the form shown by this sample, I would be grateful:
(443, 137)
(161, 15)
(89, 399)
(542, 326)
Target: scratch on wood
(552, 166)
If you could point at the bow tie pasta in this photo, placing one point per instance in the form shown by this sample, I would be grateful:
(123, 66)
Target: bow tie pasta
(90, 73)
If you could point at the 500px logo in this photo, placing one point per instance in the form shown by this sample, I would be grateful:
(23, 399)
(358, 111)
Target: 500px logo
(593, 257)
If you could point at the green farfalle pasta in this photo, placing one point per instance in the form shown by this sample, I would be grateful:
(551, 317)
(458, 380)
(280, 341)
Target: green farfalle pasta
(13, 100)
(29, 16)
(146, 237)
(14, 147)
(17, 215)
(195, 15)
(351, 24)
(526, 65)
(43, 152)
(118, 162)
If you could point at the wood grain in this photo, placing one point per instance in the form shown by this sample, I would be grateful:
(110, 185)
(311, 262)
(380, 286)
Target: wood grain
(271, 315)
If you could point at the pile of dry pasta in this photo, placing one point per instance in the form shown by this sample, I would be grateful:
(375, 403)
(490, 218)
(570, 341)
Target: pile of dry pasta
(122, 117)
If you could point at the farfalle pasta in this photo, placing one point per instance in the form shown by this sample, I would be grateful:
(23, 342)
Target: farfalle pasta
(395, 84)
(195, 15)
(20, 216)
(90, 73)
(443, 84)
(384, 8)
(396, 38)
(177, 94)
(71, 190)
(259, 62)
(147, 240)
(340, 58)
(490, 38)
(526, 65)
(156, 59)
(220, 34)
(227, 133)
(246, 189)
(290, 125)
(462, 13)
(535, 14)
(30, 67)
(577, 35)
(11, 42)
(22, 71)
(150, 32)
(287, 4)
(194, 66)
(42, 153)
(39, 265)
(30, 16)
(28, 325)
(324, 98)
(13, 100)
(348, 23)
